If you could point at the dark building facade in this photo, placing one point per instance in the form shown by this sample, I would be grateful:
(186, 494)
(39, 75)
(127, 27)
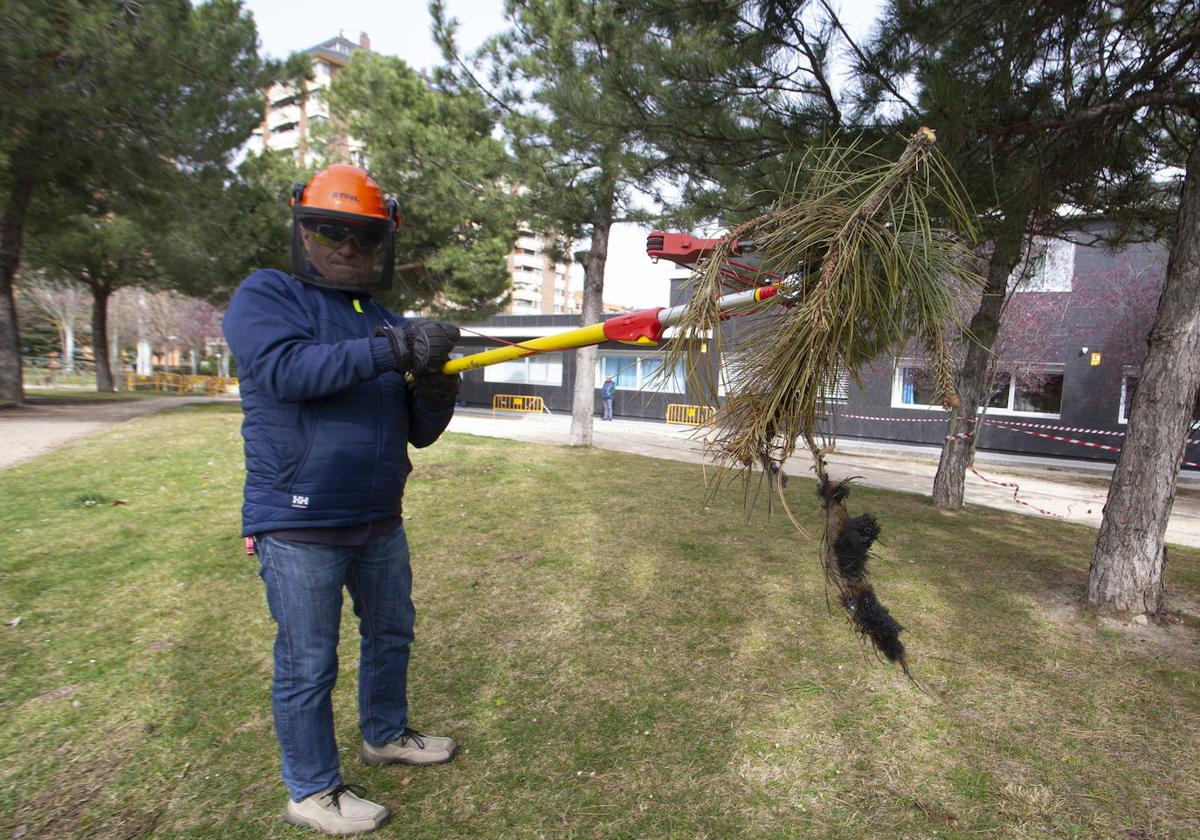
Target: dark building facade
(1065, 364)
(643, 390)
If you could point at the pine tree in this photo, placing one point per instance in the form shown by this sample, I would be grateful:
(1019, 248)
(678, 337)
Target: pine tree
(566, 79)
(431, 145)
(1001, 83)
(108, 106)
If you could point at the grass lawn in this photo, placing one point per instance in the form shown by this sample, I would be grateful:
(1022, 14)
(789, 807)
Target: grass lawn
(50, 396)
(619, 656)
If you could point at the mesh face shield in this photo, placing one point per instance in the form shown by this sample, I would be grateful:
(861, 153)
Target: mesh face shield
(343, 251)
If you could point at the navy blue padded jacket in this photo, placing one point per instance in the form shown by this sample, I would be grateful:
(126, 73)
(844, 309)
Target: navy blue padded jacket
(327, 419)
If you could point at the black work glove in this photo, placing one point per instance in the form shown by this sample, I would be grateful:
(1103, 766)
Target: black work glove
(400, 338)
(431, 346)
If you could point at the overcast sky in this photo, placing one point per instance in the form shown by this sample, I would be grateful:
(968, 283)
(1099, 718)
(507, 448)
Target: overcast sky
(401, 28)
(396, 27)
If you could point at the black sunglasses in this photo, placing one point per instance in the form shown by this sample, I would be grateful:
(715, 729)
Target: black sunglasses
(332, 233)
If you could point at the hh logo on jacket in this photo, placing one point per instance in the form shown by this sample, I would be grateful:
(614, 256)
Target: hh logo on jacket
(299, 501)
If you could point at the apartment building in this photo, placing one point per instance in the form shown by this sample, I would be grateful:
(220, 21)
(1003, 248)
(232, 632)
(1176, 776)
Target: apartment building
(293, 112)
(540, 286)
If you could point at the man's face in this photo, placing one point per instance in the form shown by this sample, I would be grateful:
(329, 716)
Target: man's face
(346, 263)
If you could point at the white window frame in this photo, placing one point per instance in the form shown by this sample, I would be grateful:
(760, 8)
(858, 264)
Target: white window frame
(1050, 266)
(1008, 411)
(1126, 374)
(838, 391)
(492, 373)
(649, 383)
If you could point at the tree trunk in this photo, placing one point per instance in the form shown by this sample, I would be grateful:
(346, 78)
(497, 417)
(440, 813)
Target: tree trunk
(68, 342)
(100, 293)
(1128, 567)
(12, 229)
(583, 400)
(958, 453)
(144, 366)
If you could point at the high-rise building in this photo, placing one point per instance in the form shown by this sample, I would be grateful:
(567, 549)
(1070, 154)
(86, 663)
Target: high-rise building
(540, 286)
(293, 111)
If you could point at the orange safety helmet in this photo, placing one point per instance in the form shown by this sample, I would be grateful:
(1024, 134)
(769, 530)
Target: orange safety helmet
(343, 231)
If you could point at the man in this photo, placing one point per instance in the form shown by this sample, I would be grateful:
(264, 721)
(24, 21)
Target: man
(607, 391)
(334, 388)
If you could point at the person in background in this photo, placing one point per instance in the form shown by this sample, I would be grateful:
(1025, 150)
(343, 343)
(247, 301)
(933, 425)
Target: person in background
(607, 391)
(335, 388)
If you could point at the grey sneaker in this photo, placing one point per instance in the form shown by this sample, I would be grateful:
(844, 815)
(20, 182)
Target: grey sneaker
(339, 810)
(411, 747)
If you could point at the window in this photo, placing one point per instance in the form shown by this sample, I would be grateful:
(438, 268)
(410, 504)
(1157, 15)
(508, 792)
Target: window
(837, 391)
(1037, 392)
(1030, 390)
(1050, 267)
(631, 372)
(1129, 382)
(998, 397)
(543, 369)
(915, 386)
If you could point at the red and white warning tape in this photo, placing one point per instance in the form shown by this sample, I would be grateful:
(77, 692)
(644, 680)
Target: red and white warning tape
(1087, 443)
(1014, 426)
(939, 419)
(1016, 489)
(1076, 429)
(986, 419)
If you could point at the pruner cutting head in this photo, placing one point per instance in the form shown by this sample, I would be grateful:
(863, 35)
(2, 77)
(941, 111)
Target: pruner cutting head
(682, 249)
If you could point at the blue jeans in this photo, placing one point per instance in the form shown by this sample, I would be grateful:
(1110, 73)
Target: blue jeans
(607, 410)
(304, 591)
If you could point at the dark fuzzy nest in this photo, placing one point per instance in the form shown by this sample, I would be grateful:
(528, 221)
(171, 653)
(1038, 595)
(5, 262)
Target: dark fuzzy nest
(827, 491)
(873, 621)
(853, 546)
(851, 549)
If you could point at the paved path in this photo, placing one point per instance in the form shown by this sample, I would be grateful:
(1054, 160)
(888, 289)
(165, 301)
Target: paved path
(43, 425)
(1074, 490)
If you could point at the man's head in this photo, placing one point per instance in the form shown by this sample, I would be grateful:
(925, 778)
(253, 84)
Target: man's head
(343, 231)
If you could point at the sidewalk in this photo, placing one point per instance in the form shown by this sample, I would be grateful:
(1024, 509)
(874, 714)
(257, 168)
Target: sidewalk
(1072, 490)
(42, 426)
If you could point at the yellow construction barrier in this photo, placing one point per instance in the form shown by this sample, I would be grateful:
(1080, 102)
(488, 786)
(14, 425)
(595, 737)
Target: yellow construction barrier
(517, 402)
(690, 415)
(178, 383)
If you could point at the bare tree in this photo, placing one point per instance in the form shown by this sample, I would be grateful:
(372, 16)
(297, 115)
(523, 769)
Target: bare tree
(194, 323)
(62, 303)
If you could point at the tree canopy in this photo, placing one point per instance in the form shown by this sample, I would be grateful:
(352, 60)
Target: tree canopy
(113, 108)
(433, 146)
